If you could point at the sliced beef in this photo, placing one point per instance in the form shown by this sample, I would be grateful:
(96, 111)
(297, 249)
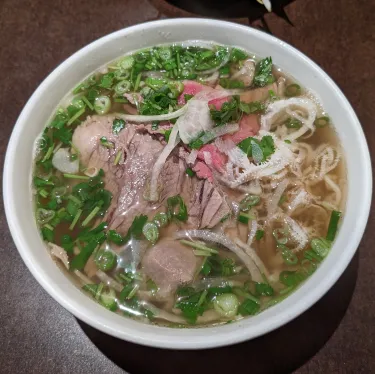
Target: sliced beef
(206, 204)
(170, 264)
(126, 181)
(258, 94)
(172, 177)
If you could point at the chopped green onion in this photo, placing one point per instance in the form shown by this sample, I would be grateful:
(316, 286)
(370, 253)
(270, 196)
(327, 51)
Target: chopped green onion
(87, 102)
(287, 141)
(118, 157)
(105, 260)
(76, 116)
(108, 300)
(293, 90)
(289, 257)
(226, 304)
(321, 246)
(333, 224)
(293, 123)
(75, 220)
(133, 291)
(245, 218)
(74, 176)
(48, 153)
(93, 213)
(105, 143)
(102, 104)
(151, 286)
(264, 289)
(137, 81)
(248, 202)
(43, 193)
(99, 291)
(280, 235)
(43, 215)
(151, 232)
(122, 87)
(321, 122)
(198, 245)
(115, 237)
(199, 252)
(165, 53)
(248, 308)
(127, 62)
(161, 219)
(75, 200)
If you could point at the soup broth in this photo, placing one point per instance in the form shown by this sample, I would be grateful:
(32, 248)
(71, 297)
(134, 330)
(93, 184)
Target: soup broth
(189, 185)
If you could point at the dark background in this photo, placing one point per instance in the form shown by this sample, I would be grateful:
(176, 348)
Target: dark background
(38, 336)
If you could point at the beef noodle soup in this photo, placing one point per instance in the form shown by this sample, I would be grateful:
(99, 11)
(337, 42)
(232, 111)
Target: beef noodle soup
(189, 185)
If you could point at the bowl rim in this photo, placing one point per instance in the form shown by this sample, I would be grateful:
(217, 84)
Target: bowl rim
(181, 342)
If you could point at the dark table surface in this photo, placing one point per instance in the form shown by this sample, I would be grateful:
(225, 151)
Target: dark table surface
(38, 336)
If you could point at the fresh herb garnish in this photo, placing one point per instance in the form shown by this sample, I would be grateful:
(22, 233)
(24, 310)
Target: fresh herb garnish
(117, 125)
(266, 145)
(263, 73)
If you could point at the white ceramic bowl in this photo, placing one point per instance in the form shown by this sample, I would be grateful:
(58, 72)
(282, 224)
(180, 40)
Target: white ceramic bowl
(18, 164)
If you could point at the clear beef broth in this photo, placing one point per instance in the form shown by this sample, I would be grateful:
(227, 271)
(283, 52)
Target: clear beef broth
(197, 218)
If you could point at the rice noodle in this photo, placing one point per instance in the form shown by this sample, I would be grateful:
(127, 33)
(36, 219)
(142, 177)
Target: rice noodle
(273, 203)
(298, 234)
(253, 255)
(281, 86)
(173, 141)
(302, 197)
(226, 242)
(159, 117)
(109, 281)
(335, 188)
(246, 73)
(276, 109)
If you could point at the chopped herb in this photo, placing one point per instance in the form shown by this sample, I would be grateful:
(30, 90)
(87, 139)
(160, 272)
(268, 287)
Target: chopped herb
(248, 308)
(135, 230)
(117, 125)
(188, 97)
(230, 83)
(263, 289)
(229, 112)
(177, 202)
(190, 172)
(105, 143)
(293, 90)
(167, 135)
(114, 237)
(266, 144)
(263, 73)
(321, 122)
(293, 123)
(252, 107)
(259, 234)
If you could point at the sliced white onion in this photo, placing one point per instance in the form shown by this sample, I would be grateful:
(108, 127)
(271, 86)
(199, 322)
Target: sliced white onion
(226, 242)
(190, 160)
(82, 277)
(273, 202)
(160, 117)
(253, 255)
(62, 162)
(268, 5)
(211, 80)
(173, 141)
(219, 131)
(194, 121)
(109, 281)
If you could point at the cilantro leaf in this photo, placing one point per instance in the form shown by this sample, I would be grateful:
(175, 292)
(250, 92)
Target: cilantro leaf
(266, 145)
(259, 234)
(263, 73)
(229, 112)
(136, 227)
